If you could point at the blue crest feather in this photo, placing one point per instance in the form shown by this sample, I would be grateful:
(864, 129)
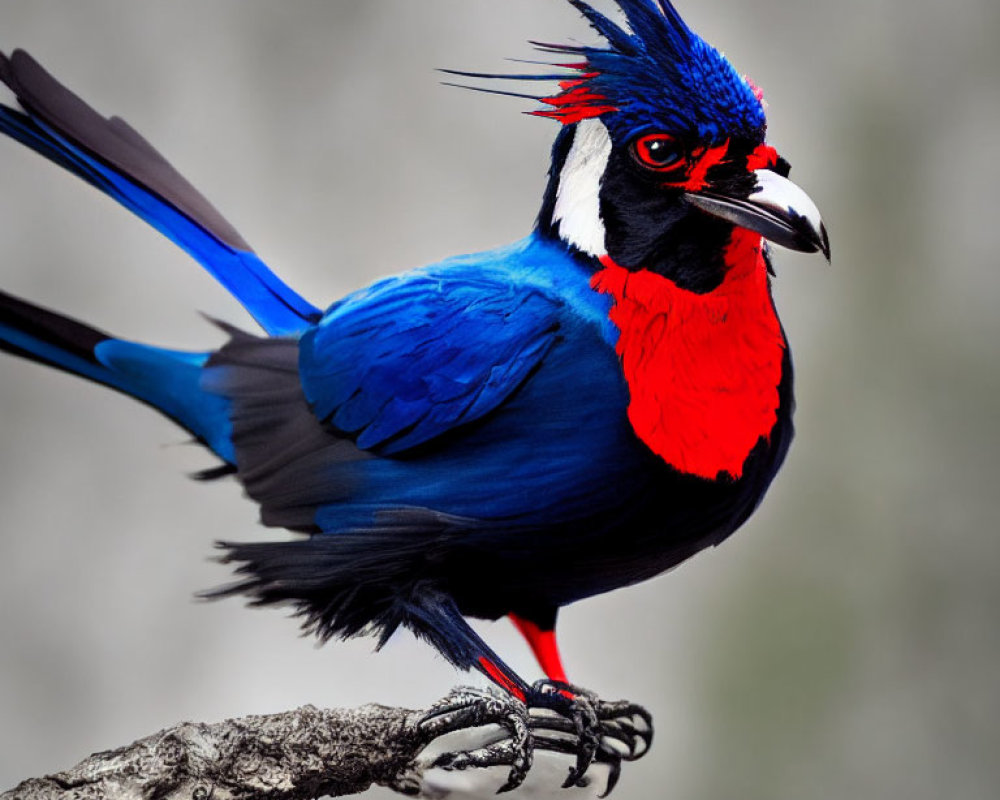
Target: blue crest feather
(661, 74)
(655, 73)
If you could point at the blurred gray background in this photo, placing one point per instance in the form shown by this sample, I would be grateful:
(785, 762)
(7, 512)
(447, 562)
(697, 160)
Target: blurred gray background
(844, 644)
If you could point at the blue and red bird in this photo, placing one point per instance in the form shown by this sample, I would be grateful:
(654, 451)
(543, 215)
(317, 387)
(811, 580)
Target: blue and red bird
(497, 434)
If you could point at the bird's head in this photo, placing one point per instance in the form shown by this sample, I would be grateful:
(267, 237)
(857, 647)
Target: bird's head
(663, 151)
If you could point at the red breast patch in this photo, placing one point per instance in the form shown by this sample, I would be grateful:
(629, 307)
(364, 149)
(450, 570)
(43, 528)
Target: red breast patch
(702, 369)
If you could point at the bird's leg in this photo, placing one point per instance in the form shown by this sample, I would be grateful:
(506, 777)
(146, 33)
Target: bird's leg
(586, 726)
(602, 731)
(541, 639)
(440, 622)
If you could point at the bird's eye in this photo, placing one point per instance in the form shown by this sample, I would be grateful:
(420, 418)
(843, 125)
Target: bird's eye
(658, 151)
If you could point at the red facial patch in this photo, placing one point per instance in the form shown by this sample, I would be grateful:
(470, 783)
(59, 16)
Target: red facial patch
(763, 157)
(696, 179)
(702, 369)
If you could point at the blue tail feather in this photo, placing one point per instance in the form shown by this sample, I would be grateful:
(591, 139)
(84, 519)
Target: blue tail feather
(167, 380)
(112, 157)
(170, 381)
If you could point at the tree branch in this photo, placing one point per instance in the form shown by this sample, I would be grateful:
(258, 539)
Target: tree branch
(295, 755)
(310, 753)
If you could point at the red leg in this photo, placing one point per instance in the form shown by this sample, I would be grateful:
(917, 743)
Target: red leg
(502, 676)
(543, 645)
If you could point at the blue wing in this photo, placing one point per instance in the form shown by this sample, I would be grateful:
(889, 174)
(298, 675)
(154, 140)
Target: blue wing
(114, 158)
(413, 357)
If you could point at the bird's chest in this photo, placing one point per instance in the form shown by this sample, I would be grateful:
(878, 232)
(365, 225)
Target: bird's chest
(702, 370)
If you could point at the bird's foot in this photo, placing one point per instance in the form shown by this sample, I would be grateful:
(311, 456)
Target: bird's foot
(466, 708)
(594, 730)
(625, 726)
(578, 712)
(558, 718)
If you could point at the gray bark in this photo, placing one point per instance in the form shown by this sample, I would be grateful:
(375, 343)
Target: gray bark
(294, 755)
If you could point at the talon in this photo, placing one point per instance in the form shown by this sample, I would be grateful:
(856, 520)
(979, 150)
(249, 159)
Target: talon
(467, 708)
(594, 730)
(614, 773)
(578, 708)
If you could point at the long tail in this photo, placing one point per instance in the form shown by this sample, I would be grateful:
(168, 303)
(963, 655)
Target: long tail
(167, 380)
(111, 156)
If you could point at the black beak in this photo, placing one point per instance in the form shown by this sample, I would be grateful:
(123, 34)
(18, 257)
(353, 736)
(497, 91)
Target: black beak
(777, 209)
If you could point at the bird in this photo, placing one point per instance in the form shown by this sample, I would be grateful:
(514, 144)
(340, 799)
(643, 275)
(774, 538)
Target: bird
(498, 434)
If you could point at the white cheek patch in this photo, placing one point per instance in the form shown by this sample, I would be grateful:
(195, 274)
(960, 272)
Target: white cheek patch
(578, 201)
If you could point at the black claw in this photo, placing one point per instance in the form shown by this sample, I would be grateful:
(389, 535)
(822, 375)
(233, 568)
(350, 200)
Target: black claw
(604, 756)
(505, 754)
(577, 707)
(614, 773)
(594, 730)
(586, 724)
(473, 708)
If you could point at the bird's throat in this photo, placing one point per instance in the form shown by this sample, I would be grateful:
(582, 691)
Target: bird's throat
(703, 370)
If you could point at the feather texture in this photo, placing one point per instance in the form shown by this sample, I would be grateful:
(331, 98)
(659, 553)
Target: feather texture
(114, 158)
(411, 358)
